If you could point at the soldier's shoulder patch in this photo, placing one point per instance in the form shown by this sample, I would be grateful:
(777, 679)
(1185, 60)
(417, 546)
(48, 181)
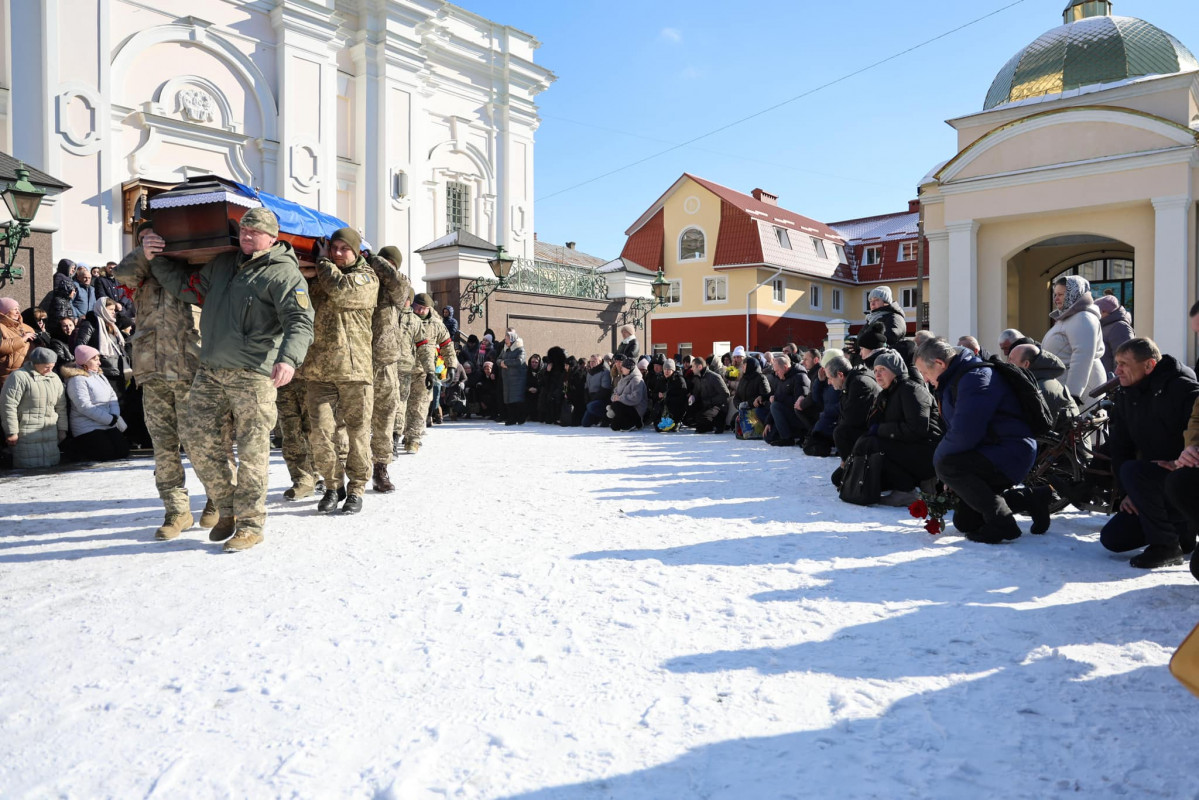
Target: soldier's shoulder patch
(302, 298)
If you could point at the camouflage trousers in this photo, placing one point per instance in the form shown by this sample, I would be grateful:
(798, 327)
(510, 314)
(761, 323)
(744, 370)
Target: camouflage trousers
(250, 398)
(403, 390)
(383, 417)
(166, 408)
(350, 403)
(412, 386)
(291, 403)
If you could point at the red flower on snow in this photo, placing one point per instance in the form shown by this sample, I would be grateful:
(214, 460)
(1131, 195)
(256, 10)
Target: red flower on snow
(934, 526)
(918, 509)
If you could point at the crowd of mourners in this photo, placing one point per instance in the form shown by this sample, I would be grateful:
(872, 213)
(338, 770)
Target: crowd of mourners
(911, 416)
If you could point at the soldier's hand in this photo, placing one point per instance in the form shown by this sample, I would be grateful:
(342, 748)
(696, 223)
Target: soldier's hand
(322, 247)
(429, 381)
(282, 374)
(152, 245)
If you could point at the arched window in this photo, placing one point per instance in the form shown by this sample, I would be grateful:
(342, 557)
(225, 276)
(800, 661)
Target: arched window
(1106, 275)
(691, 245)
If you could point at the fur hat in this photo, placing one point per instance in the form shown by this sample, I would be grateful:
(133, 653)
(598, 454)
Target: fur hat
(893, 361)
(42, 355)
(261, 219)
(84, 354)
(350, 237)
(628, 363)
(392, 254)
(829, 355)
(873, 337)
(881, 293)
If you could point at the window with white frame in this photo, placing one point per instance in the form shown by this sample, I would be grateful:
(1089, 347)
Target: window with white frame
(818, 246)
(872, 256)
(814, 295)
(684, 353)
(841, 257)
(783, 236)
(674, 295)
(778, 290)
(691, 245)
(716, 290)
(457, 207)
(837, 300)
(660, 350)
(907, 251)
(908, 296)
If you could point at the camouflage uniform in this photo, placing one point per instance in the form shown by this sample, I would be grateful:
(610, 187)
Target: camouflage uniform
(340, 370)
(166, 355)
(291, 405)
(423, 338)
(256, 314)
(393, 294)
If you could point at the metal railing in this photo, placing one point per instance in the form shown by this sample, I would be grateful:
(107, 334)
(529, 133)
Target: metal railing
(548, 277)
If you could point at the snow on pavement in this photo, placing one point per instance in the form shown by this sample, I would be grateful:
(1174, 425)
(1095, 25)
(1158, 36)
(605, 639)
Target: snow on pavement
(557, 613)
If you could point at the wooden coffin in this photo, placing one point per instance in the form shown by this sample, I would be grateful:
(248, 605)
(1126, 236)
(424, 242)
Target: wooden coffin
(199, 220)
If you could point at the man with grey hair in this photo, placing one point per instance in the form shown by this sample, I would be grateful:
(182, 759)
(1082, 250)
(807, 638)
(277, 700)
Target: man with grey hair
(793, 383)
(921, 337)
(858, 391)
(1010, 338)
(987, 447)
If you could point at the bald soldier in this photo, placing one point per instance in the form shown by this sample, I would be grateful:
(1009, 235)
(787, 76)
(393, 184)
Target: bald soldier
(255, 329)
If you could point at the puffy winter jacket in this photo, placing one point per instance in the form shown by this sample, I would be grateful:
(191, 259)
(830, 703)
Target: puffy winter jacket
(94, 404)
(34, 407)
(709, 390)
(515, 376)
(257, 312)
(895, 325)
(1117, 329)
(1151, 416)
(904, 412)
(630, 390)
(982, 413)
(13, 345)
(1047, 369)
(792, 386)
(599, 384)
(828, 400)
(1077, 340)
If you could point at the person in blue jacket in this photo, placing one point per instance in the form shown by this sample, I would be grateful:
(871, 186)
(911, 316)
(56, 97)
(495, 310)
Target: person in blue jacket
(987, 447)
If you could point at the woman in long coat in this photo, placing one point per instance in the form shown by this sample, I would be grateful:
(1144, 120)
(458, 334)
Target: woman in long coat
(1076, 336)
(512, 362)
(33, 410)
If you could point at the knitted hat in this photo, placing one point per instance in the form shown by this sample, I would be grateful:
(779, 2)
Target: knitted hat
(42, 355)
(84, 354)
(873, 337)
(628, 363)
(643, 362)
(487, 337)
(881, 293)
(8, 305)
(392, 254)
(350, 237)
(893, 361)
(669, 364)
(261, 219)
(829, 355)
(738, 351)
(423, 299)
(1107, 304)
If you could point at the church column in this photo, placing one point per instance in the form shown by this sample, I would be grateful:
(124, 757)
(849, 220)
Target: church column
(938, 279)
(962, 280)
(1172, 287)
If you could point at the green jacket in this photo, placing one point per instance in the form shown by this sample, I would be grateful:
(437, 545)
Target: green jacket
(256, 309)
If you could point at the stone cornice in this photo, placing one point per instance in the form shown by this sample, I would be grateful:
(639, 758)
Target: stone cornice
(1079, 169)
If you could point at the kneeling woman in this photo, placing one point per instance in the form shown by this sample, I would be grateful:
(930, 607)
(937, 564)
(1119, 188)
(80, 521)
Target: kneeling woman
(629, 398)
(903, 425)
(33, 410)
(96, 423)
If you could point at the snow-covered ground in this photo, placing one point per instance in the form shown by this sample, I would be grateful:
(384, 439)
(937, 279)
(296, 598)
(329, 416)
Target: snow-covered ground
(555, 613)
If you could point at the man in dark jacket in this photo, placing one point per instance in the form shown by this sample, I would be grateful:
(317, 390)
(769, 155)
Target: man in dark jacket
(858, 390)
(1182, 486)
(709, 398)
(599, 391)
(792, 384)
(1046, 368)
(904, 426)
(987, 447)
(1153, 406)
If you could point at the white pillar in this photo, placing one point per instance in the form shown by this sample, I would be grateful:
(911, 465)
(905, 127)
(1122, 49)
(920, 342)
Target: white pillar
(1171, 284)
(962, 280)
(938, 280)
(838, 330)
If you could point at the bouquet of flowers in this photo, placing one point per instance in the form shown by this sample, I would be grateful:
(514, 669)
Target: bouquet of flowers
(932, 508)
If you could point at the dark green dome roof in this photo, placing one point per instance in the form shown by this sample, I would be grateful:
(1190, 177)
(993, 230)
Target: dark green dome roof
(1093, 50)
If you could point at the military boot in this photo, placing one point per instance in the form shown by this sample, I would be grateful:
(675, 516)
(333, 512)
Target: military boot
(381, 482)
(397, 444)
(176, 522)
(352, 505)
(412, 447)
(243, 540)
(328, 502)
(223, 529)
(298, 491)
(209, 516)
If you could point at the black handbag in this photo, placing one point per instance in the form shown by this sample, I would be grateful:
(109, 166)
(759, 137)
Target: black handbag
(861, 483)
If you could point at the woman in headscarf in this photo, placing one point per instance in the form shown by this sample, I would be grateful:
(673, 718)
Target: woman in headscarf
(1116, 324)
(99, 330)
(513, 367)
(1076, 336)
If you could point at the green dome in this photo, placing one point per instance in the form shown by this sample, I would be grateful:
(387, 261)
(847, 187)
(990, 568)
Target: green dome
(1093, 50)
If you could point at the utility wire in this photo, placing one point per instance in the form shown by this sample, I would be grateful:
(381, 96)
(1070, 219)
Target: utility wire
(778, 105)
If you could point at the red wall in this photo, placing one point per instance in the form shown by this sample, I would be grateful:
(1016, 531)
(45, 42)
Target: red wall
(766, 332)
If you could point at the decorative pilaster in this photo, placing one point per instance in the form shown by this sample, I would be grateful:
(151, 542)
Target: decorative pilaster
(1173, 281)
(962, 280)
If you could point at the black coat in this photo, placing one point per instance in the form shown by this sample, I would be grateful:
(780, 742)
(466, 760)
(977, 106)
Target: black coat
(857, 399)
(1151, 416)
(627, 349)
(895, 325)
(905, 412)
(793, 385)
(752, 385)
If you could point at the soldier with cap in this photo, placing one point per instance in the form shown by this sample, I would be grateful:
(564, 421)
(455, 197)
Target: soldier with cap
(424, 336)
(255, 329)
(166, 355)
(393, 297)
(340, 367)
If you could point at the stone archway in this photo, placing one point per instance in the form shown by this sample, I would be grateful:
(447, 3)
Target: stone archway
(1104, 261)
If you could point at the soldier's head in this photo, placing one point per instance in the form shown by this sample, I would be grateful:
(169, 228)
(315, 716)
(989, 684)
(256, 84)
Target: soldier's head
(1136, 359)
(422, 304)
(344, 245)
(259, 231)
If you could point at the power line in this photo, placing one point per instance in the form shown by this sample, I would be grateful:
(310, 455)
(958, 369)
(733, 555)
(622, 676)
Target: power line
(788, 101)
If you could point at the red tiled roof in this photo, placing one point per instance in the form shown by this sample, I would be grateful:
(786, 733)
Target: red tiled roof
(747, 205)
(644, 246)
(738, 241)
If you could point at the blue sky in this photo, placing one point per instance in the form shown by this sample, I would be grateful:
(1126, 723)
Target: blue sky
(637, 77)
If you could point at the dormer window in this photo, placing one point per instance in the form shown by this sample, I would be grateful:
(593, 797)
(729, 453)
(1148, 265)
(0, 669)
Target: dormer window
(691, 245)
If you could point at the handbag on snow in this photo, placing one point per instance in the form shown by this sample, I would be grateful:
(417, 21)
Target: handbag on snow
(1185, 663)
(861, 483)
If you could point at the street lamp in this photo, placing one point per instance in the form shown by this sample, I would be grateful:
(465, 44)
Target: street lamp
(475, 295)
(23, 200)
(501, 265)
